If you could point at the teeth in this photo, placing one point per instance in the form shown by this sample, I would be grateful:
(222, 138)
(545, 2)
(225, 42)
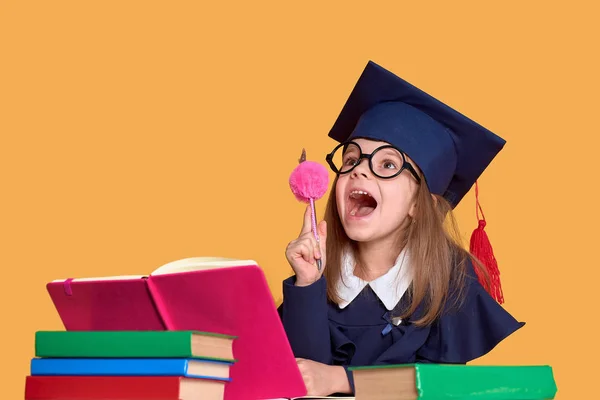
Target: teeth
(355, 194)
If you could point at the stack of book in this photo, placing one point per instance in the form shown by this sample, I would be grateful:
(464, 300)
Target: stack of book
(178, 365)
(445, 381)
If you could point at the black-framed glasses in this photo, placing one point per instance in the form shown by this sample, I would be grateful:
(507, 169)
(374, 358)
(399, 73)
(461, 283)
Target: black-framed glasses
(385, 162)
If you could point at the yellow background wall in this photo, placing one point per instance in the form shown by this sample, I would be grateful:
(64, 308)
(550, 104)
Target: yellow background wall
(134, 133)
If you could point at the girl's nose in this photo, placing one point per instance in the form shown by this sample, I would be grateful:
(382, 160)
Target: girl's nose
(362, 168)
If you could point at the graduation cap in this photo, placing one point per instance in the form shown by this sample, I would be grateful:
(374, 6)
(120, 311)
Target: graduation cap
(451, 150)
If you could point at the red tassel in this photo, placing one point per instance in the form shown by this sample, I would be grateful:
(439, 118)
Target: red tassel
(481, 248)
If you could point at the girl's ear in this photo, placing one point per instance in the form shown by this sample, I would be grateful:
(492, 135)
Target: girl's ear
(413, 209)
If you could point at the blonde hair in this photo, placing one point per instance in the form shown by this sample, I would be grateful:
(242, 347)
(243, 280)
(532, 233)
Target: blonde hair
(438, 260)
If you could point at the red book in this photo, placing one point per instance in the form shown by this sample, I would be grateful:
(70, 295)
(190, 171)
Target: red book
(204, 294)
(121, 388)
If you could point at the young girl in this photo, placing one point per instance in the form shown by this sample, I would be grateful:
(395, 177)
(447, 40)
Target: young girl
(395, 285)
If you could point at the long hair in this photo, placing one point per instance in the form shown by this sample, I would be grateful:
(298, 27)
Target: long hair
(437, 258)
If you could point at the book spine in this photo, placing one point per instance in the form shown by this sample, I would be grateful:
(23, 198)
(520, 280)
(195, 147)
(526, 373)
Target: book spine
(436, 382)
(113, 344)
(101, 387)
(108, 367)
(160, 305)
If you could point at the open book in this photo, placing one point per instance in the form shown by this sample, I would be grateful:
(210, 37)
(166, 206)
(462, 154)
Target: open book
(209, 294)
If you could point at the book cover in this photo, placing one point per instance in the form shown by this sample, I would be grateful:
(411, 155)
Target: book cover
(191, 368)
(121, 388)
(134, 344)
(92, 305)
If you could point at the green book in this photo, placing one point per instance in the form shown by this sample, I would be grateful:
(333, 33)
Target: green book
(134, 344)
(457, 382)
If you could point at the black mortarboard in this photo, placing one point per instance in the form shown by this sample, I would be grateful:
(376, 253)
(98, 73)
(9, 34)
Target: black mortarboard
(450, 149)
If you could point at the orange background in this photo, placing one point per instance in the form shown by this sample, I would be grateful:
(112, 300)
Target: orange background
(137, 133)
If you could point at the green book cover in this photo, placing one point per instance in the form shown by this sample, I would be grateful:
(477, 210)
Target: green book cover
(126, 344)
(444, 381)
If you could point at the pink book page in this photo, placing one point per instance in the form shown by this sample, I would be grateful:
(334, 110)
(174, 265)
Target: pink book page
(105, 304)
(236, 301)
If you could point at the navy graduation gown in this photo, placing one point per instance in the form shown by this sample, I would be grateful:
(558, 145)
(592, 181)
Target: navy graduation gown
(363, 334)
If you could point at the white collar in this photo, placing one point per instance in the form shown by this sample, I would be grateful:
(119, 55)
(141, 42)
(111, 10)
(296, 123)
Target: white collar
(389, 287)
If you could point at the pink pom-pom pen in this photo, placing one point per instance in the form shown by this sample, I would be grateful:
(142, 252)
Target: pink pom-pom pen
(309, 182)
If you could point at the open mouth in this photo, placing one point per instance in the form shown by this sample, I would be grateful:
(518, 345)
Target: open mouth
(361, 203)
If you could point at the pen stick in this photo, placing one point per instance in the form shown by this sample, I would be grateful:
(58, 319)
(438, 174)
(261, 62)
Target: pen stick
(314, 229)
(309, 182)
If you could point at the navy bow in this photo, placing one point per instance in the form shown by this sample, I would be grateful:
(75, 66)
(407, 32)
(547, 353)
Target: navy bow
(391, 322)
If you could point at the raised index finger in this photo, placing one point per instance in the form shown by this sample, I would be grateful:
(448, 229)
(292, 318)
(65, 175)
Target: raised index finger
(307, 223)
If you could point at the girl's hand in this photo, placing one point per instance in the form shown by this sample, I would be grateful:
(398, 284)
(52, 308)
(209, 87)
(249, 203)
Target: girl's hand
(322, 379)
(303, 252)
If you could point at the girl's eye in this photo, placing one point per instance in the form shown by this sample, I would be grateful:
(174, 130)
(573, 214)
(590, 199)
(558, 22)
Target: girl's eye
(387, 164)
(350, 161)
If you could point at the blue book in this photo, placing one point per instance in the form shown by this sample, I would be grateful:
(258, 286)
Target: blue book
(185, 367)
